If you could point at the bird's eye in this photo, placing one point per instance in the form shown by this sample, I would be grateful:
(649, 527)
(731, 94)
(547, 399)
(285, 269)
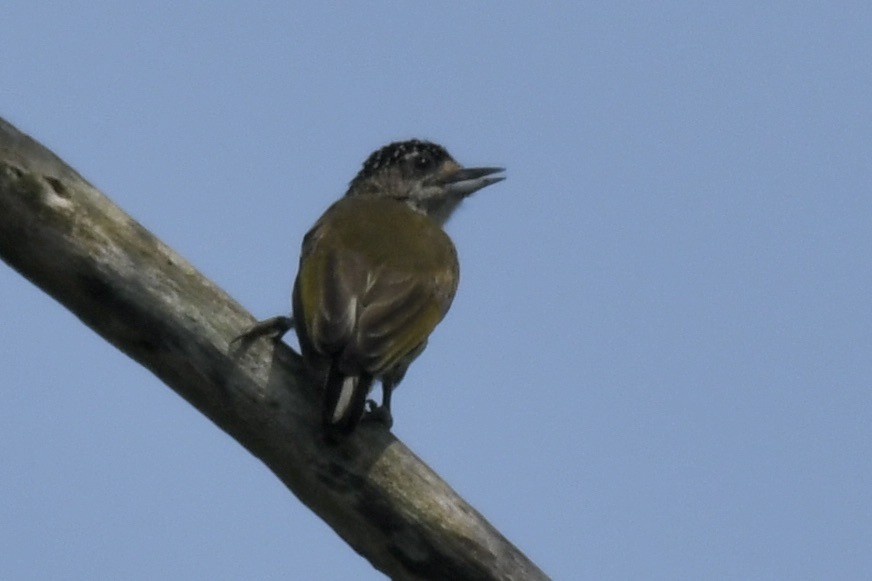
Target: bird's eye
(423, 161)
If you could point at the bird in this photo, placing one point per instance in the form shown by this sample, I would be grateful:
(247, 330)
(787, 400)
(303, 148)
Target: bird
(377, 273)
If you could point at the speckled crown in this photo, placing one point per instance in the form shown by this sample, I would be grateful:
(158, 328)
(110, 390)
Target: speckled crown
(397, 151)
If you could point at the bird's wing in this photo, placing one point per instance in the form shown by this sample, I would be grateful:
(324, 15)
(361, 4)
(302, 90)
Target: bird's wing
(328, 285)
(370, 317)
(367, 307)
(399, 311)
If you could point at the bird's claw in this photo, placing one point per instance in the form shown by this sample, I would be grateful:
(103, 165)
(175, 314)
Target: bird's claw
(377, 413)
(274, 327)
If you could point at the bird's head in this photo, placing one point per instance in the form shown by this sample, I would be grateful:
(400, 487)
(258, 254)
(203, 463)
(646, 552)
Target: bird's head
(423, 175)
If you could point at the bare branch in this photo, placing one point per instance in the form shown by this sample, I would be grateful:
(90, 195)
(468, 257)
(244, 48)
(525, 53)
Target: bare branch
(75, 244)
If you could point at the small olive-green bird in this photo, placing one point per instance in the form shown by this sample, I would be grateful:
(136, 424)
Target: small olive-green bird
(377, 274)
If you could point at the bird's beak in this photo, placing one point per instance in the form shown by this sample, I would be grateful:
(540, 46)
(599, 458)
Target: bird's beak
(471, 179)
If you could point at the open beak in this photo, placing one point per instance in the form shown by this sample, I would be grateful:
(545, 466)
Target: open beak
(471, 179)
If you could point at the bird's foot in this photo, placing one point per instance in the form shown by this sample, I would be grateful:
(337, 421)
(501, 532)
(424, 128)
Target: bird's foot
(377, 413)
(274, 327)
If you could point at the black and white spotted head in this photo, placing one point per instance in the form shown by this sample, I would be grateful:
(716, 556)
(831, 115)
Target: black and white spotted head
(422, 174)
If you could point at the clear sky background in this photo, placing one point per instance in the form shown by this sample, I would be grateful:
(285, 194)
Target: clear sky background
(659, 361)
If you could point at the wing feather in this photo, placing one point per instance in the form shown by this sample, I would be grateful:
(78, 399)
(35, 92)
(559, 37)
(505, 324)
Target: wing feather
(363, 308)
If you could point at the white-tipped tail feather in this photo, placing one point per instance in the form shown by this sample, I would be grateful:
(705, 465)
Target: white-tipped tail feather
(344, 400)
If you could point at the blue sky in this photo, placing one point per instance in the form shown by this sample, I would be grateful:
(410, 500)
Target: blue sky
(658, 363)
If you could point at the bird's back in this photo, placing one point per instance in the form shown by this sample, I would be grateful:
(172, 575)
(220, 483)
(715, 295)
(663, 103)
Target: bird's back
(375, 278)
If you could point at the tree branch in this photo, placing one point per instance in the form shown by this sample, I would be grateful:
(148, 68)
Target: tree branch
(75, 244)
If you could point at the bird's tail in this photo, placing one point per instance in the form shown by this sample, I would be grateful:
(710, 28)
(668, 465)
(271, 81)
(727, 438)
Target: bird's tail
(344, 402)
